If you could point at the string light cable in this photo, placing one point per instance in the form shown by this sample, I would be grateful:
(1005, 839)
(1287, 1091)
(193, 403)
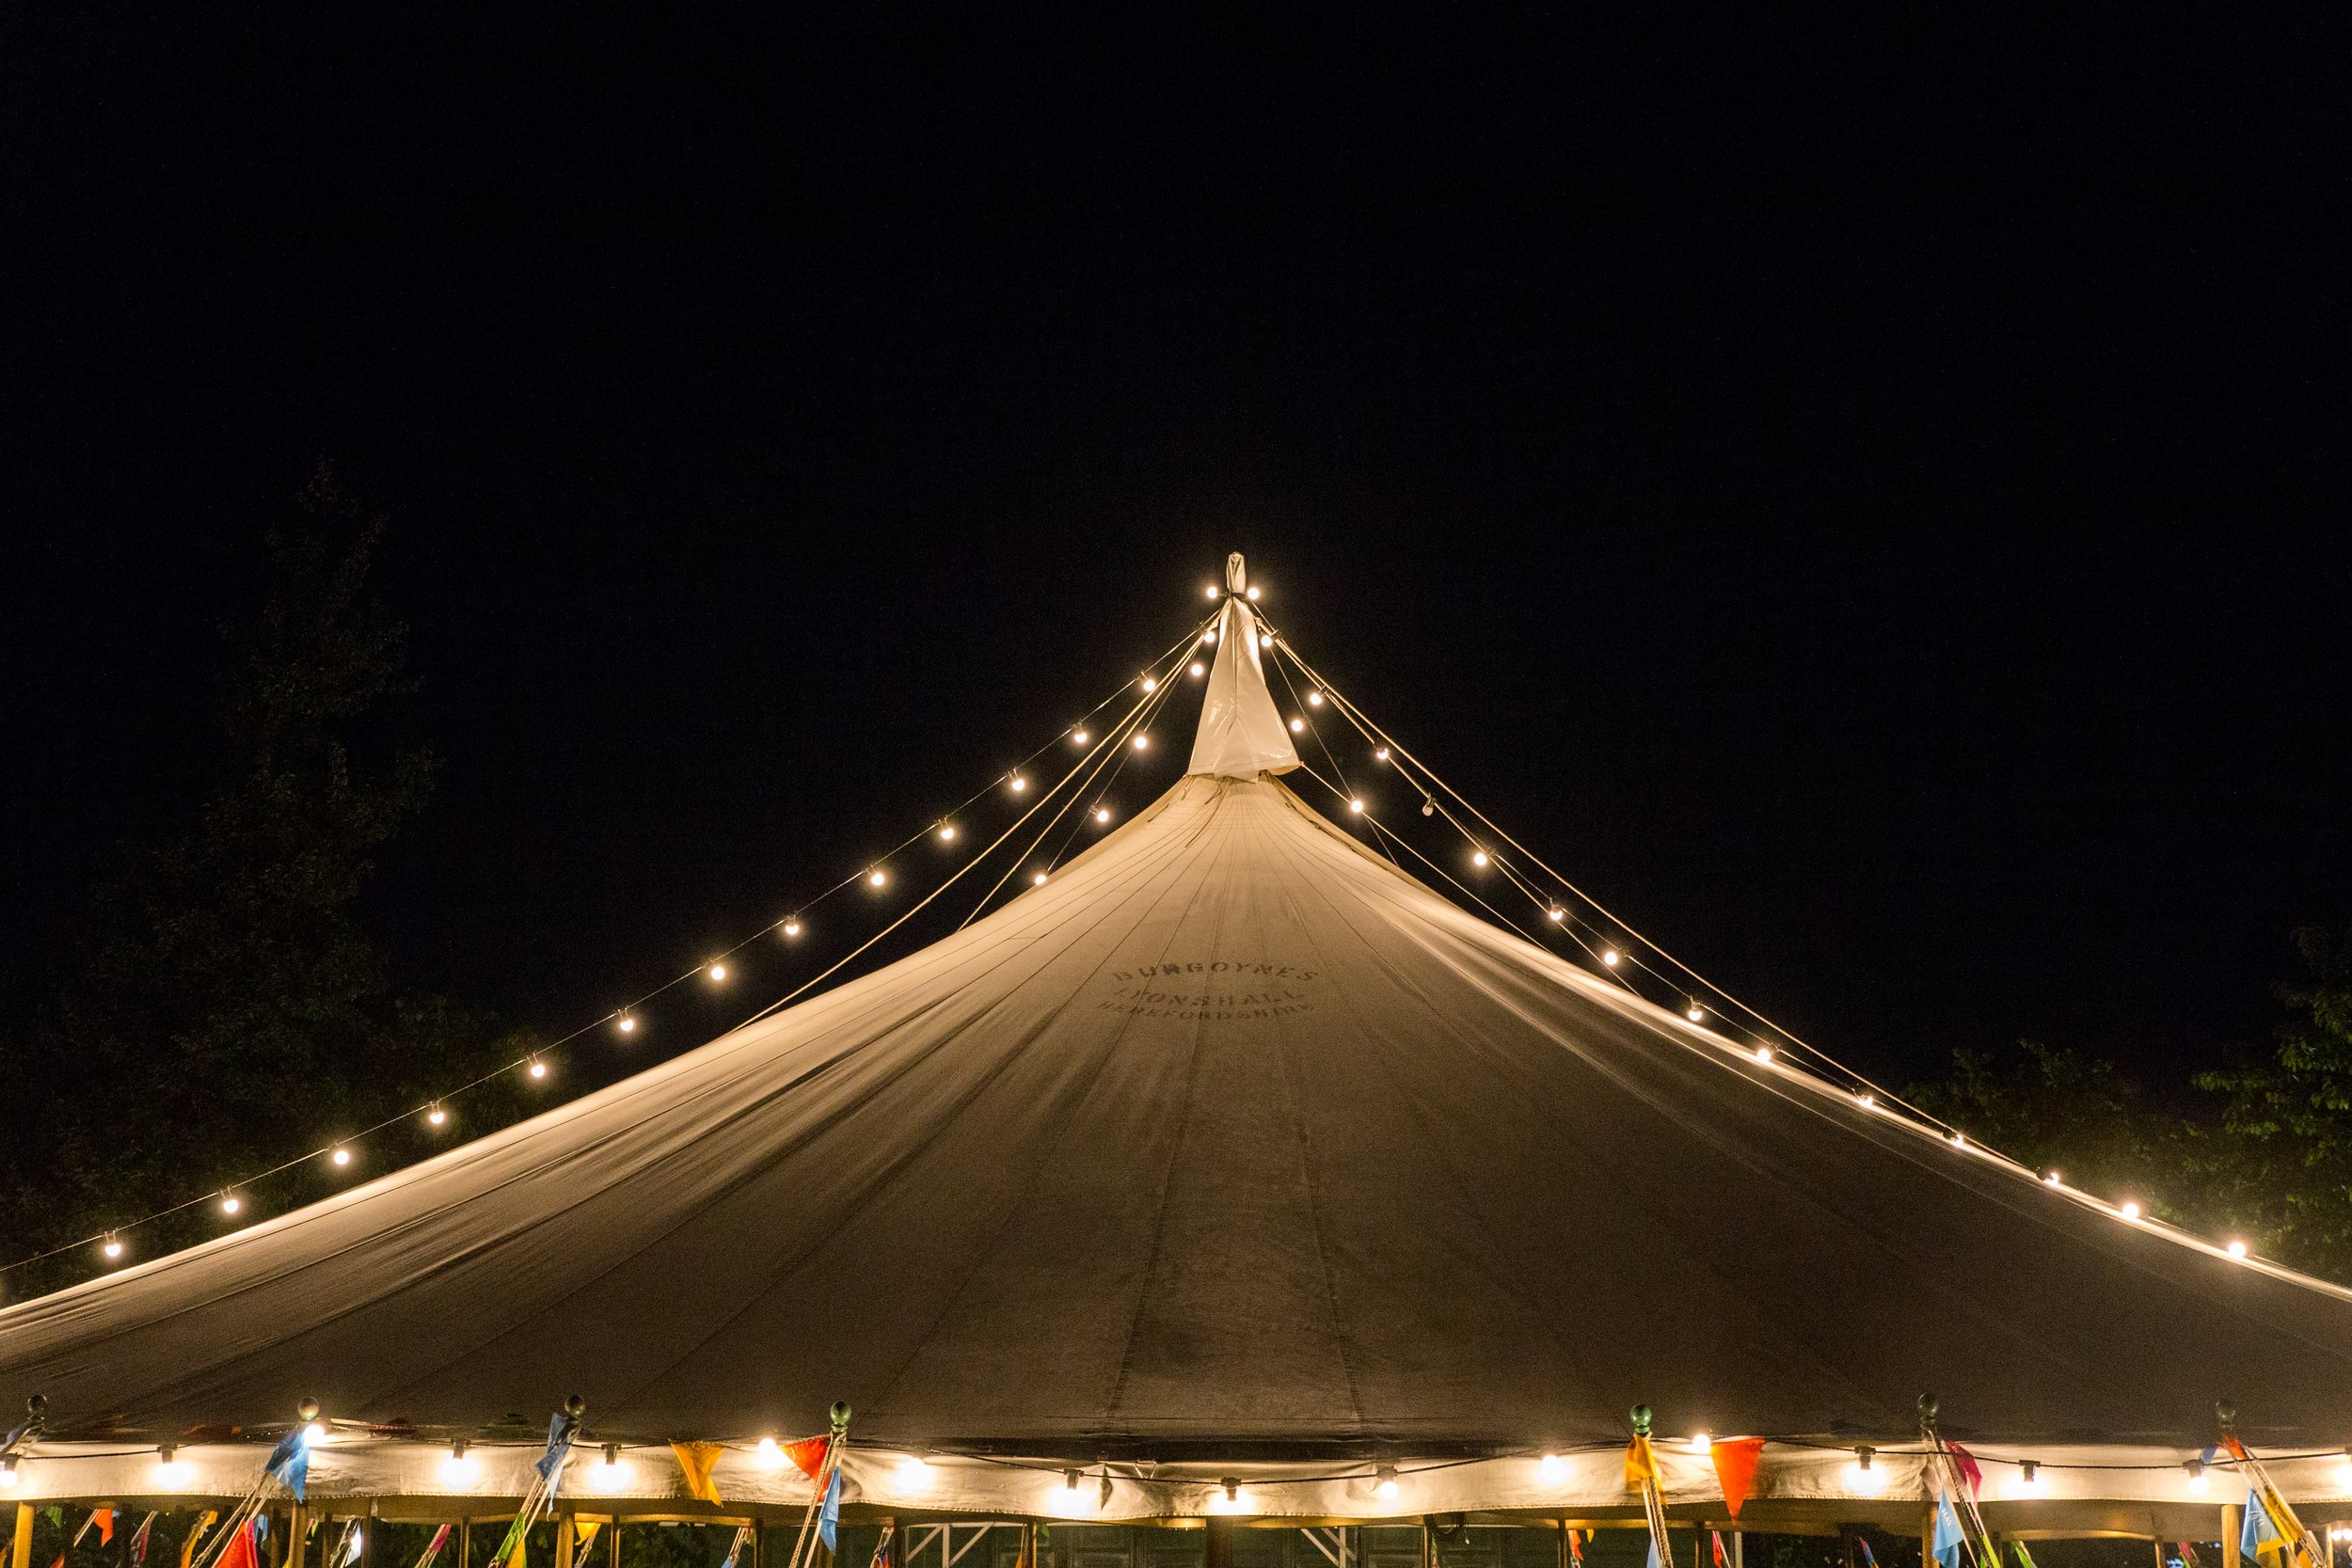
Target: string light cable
(1634, 945)
(1869, 1094)
(1176, 652)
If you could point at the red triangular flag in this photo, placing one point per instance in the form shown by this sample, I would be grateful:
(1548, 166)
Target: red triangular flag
(1721, 1560)
(809, 1454)
(240, 1552)
(1734, 1468)
(1967, 1464)
(104, 1519)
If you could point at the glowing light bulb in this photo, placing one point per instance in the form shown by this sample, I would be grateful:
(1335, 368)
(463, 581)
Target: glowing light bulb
(1208, 639)
(230, 1203)
(625, 1024)
(769, 1453)
(1265, 639)
(946, 832)
(792, 927)
(1609, 956)
(2050, 1180)
(341, 1156)
(113, 1248)
(1555, 915)
(1381, 755)
(1869, 1100)
(1315, 699)
(1695, 1012)
(1199, 668)
(170, 1469)
(1763, 1052)
(1149, 684)
(914, 1473)
(1698, 1442)
(1253, 593)
(1552, 1466)
(8, 1478)
(2197, 1478)
(538, 1069)
(1960, 1140)
(1297, 725)
(613, 1474)
(718, 972)
(2131, 1210)
(1864, 1476)
(1038, 881)
(1478, 857)
(460, 1467)
(1018, 783)
(876, 877)
(1143, 743)
(1213, 591)
(1355, 806)
(1071, 1494)
(2237, 1249)
(1077, 738)
(313, 1432)
(1384, 1482)
(1103, 814)
(2029, 1474)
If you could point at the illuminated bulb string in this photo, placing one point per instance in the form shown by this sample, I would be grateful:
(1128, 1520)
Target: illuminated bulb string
(1431, 786)
(338, 1154)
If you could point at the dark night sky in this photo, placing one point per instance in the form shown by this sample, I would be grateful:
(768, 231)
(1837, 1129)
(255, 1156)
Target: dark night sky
(1871, 503)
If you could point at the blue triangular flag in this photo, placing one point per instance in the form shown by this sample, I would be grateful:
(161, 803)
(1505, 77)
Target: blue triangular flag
(562, 1427)
(290, 1461)
(2259, 1531)
(1949, 1539)
(829, 1518)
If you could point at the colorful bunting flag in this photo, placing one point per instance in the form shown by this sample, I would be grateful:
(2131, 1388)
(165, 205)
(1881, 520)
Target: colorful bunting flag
(138, 1542)
(241, 1553)
(1947, 1540)
(1576, 1548)
(1721, 1560)
(104, 1519)
(1734, 1468)
(809, 1454)
(696, 1460)
(562, 1428)
(290, 1462)
(1965, 1463)
(433, 1547)
(829, 1518)
(1641, 1465)
(2025, 1558)
(881, 1545)
(735, 1547)
(187, 1548)
(1869, 1558)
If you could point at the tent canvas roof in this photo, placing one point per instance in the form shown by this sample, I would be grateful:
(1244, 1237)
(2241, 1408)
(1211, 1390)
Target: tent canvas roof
(1231, 1132)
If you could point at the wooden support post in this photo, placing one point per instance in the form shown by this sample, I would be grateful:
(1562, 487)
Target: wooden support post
(567, 1534)
(1926, 1535)
(1564, 1557)
(367, 1540)
(612, 1542)
(297, 1536)
(1740, 1549)
(1217, 1544)
(2229, 1535)
(20, 1552)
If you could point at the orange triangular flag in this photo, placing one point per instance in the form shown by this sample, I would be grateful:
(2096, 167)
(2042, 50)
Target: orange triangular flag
(240, 1552)
(809, 1454)
(104, 1519)
(1641, 1465)
(1734, 1468)
(696, 1460)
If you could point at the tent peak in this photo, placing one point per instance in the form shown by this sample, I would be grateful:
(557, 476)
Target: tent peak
(1241, 734)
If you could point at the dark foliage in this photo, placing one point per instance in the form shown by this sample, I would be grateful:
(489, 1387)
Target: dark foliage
(223, 1009)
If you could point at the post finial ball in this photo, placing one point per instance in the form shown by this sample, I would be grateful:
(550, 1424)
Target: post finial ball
(573, 1406)
(841, 1414)
(1640, 1414)
(2225, 1415)
(308, 1409)
(1928, 1406)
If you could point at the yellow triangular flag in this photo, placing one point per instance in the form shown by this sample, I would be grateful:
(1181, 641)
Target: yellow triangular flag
(187, 1547)
(1641, 1465)
(697, 1460)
